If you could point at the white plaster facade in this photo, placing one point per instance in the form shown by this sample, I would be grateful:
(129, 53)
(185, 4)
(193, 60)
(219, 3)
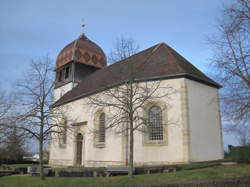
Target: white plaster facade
(193, 132)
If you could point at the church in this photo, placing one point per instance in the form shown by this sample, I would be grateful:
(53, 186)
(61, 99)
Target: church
(82, 71)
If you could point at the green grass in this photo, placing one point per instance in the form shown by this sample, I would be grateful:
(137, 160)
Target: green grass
(196, 165)
(187, 175)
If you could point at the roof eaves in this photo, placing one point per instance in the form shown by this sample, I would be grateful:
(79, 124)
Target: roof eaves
(88, 93)
(181, 75)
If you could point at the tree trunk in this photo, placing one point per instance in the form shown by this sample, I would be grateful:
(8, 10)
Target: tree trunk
(131, 125)
(127, 145)
(41, 159)
(131, 151)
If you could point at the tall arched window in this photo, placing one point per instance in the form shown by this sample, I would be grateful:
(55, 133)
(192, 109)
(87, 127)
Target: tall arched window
(155, 123)
(64, 134)
(102, 128)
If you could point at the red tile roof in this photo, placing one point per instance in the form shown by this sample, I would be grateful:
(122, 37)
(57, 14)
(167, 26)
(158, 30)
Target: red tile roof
(83, 51)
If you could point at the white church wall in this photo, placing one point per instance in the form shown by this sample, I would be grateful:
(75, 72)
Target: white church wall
(79, 111)
(113, 152)
(204, 122)
(172, 150)
(94, 156)
(62, 154)
(193, 104)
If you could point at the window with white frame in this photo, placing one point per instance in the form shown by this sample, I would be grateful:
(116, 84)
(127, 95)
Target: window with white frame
(155, 123)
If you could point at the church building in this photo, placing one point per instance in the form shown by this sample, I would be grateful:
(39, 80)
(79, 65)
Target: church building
(82, 71)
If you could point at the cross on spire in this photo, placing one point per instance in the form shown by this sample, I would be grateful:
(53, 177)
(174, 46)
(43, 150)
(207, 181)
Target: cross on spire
(82, 27)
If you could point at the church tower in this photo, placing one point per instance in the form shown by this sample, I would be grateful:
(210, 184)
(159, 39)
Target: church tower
(75, 61)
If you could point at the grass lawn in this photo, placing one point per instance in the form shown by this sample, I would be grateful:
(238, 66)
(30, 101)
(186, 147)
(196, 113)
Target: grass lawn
(196, 165)
(206, 173)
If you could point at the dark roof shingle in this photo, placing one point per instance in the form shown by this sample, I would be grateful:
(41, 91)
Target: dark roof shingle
(159, 61)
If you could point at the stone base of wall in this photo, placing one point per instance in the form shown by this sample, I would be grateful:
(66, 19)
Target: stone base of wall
(157, 163)
(98, 163)
(106, 163)
(60, 162)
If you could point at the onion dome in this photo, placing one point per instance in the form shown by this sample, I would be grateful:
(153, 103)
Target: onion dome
(82, 50)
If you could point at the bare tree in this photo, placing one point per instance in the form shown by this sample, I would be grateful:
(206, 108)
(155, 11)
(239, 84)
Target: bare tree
(123, 48)
(126, 101)
(241, 132)
(5, 105)
(35, 116)
(231, 61)
(7, 101)
(14, 143)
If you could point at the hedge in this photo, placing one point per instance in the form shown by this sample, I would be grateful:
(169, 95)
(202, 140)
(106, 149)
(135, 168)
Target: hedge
(156, 169)
(8, 161)
(240, 154)
(79, 172)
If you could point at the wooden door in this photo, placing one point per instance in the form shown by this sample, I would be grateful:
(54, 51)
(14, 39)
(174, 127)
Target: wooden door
(79, 139)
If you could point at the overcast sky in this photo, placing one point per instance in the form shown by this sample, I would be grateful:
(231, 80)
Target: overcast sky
(32, 29)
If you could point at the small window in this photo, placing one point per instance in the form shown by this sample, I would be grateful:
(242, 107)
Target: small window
(60, 76)
(102, 128)
(64, 134)
(155, 123)
(67, 72)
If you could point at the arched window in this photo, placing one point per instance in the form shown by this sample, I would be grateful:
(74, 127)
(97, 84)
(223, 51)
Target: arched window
(155, 123)
(64, 134)
(102, 128)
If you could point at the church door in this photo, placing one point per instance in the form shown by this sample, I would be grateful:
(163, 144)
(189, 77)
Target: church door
(79, 140)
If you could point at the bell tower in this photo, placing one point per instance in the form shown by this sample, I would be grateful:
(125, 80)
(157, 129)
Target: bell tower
(75, 61)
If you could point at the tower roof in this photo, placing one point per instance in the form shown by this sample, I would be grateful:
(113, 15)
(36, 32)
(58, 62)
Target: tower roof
(154, 63)
(84, 51)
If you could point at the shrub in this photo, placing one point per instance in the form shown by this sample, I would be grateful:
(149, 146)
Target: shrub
(155, 169)
(8, 161)
(79, 172)
(240, 154)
